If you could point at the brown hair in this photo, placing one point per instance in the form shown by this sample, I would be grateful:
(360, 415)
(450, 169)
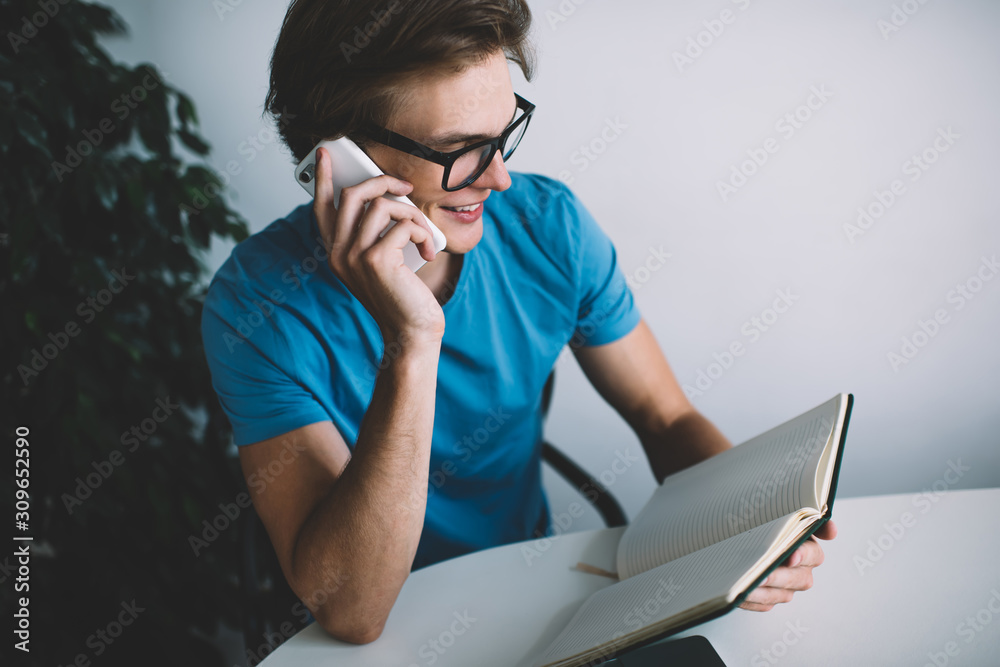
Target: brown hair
(339, 64)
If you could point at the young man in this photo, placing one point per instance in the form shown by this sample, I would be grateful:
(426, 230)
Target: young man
(388, 419)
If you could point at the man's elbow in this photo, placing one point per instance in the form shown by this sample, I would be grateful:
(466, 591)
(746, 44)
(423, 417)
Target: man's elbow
(351, 631)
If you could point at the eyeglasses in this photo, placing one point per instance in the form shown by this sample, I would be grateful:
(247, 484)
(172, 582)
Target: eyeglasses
(464, 166)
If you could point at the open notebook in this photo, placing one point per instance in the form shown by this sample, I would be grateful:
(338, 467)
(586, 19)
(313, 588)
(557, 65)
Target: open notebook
(709, 535)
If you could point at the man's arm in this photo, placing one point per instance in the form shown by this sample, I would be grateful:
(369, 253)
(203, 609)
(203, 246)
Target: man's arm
(633, 376)
(346, 529)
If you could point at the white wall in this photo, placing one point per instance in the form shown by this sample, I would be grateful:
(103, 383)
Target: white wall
(655, 185)
(784, 228)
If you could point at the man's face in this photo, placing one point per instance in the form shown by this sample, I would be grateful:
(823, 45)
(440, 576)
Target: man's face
(478, 101)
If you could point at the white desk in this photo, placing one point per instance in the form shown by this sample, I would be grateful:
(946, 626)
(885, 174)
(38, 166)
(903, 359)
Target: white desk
(494, 609)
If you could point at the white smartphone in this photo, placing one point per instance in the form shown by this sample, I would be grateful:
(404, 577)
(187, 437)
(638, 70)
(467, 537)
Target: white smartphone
(352, 166)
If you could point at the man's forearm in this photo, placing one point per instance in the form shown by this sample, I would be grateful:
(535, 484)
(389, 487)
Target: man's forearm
(366, 531)
(687, 440)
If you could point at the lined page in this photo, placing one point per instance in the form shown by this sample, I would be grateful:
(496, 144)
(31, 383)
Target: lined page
(751, 484)
(665, 596)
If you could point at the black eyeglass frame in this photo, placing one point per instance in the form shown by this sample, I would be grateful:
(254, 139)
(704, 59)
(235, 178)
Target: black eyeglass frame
(447, 160)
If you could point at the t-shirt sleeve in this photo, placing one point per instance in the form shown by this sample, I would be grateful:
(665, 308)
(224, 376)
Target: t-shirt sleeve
(607, 310)
(258, 396)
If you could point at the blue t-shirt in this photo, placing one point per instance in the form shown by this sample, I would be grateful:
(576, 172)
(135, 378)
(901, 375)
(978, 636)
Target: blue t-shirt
(288, 345)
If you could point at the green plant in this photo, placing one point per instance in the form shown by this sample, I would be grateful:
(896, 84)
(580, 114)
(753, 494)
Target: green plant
(103, 229)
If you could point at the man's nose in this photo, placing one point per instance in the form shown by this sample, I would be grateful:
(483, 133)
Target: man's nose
(495, 177)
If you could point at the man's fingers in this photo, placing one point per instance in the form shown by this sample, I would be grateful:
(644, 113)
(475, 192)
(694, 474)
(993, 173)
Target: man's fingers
(323, 200)
(791, 578)
(358, 196)
(403, 232)
(766, 595)
(827, 531)
(809, 554)
(794, 575)
(341, 222)
(382, 211)
(397, 186)
(812, 554)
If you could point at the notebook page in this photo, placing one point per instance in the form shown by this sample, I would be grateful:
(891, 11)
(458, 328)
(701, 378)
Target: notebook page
(667, 594)
(758, 481)
(825, 461)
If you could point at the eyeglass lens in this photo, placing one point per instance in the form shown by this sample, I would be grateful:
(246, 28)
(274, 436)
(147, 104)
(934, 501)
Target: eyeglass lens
(470, 165)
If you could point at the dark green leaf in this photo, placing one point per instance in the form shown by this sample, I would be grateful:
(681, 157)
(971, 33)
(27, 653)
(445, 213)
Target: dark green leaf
(185, 110)
(118, 209)
(193, 142)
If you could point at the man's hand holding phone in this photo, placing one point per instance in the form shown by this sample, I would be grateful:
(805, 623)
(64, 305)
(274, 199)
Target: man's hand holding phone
(371, 266)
